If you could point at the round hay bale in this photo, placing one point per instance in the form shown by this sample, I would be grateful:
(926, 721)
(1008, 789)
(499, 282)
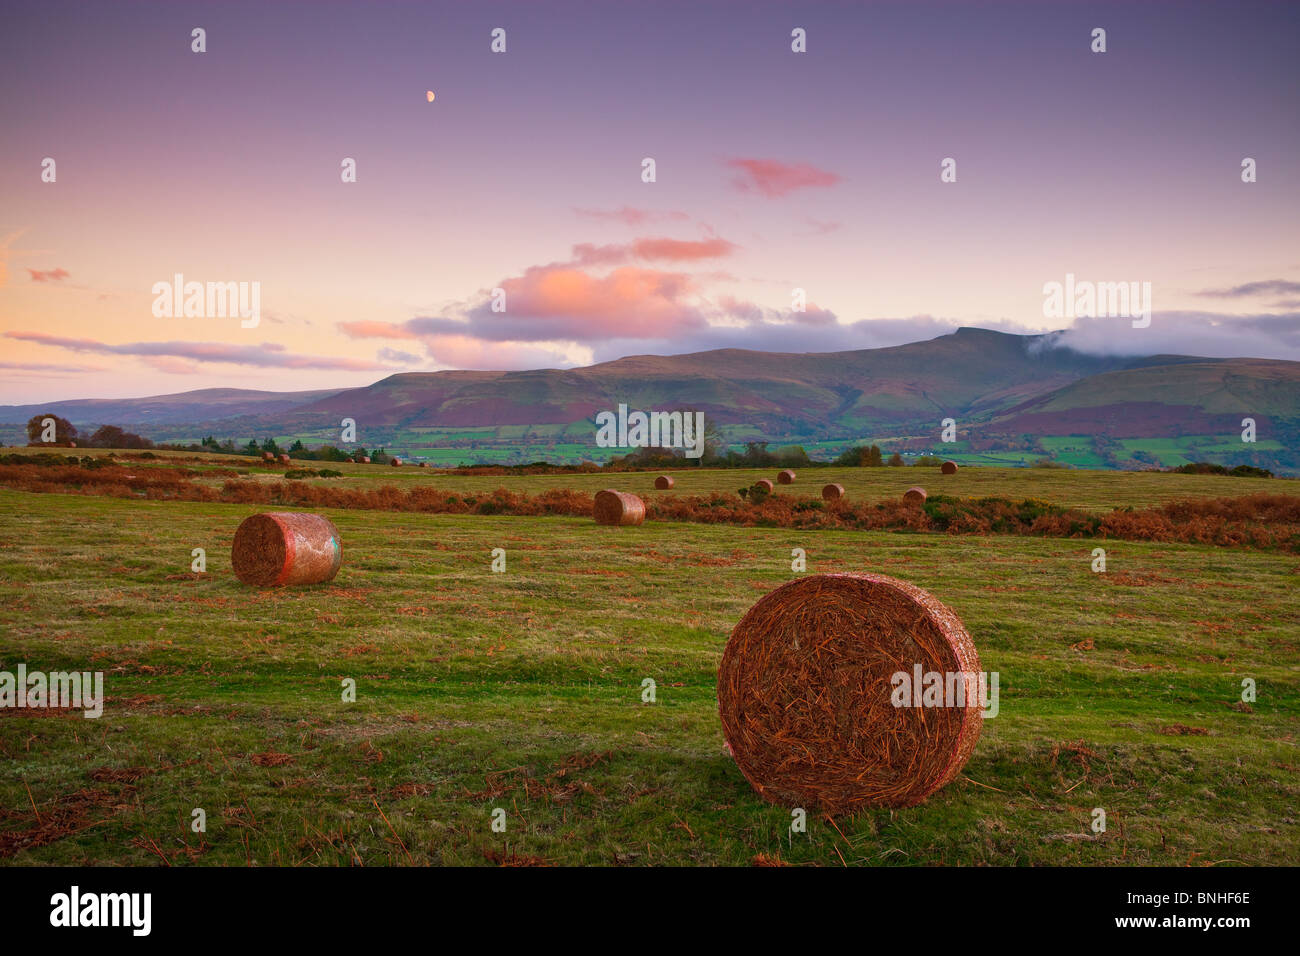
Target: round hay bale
(914, 495)
(618, 508)
(785, 477)
(948, 468)
(764, 484)
(806, 686)
(396, 463)
(278, 548)
(833, 492)
(284, 460)
(664, 482)
(365, 459)
(424, 464)
(267, 456)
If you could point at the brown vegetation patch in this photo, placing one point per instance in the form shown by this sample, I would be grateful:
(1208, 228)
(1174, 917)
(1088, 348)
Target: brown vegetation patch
(271, 759)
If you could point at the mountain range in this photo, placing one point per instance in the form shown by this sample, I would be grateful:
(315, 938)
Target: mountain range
(992, 383)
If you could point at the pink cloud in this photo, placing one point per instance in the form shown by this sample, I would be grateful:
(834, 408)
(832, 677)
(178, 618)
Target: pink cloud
(651, 250)
(561, 303)
(821, 228)
(625, 302)
(469, 352)
(630, 216)
(773, 178)
(265, 355)
(755, 314)
(38, 368)
(375, 330)
(49, 275)
(170, 365)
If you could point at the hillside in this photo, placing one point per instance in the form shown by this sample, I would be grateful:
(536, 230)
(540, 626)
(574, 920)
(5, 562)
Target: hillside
(1202, 397)
(203, 405)
(970, 373)
(1005, 391)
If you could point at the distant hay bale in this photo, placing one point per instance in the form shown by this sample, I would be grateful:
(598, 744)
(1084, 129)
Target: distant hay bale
(833, 492)
(618, 508)
(364, 460)
(785, 477)
(267, 456)
(424, 464)
(914, 495)
(284, 459)
(279, 548)
(664, 482)
(764, 484)
(948, 468)
(806, 694)
(396, 462)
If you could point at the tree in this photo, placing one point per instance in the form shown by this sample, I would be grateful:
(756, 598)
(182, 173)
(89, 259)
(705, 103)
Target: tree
(851, 457)
(866, 456)
(757, 456)
(895, 460)
(110, 436)
(794, 455)
(713, 441)
(328, 453)
(37, 431)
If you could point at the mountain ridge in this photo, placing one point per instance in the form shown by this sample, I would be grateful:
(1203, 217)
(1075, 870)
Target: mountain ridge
(989, 381)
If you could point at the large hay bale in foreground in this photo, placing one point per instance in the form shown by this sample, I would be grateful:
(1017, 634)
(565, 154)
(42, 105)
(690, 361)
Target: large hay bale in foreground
(914, 495)
(833, 492)
(785, 477)
(764, 484)
(618, 508)
(805, 688)
(948, 468)
(664, 482)
(279, 548)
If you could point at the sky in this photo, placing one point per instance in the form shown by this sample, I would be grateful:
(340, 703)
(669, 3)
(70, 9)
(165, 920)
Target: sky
(775, 171)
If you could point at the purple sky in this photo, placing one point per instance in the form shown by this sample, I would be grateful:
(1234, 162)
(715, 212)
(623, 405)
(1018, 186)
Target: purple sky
(776, 170)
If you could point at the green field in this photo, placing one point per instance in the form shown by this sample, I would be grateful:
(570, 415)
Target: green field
(574, 443)
(1092, 490)
(522, 690)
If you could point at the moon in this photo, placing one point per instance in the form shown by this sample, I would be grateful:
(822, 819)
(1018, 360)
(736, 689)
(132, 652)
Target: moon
(429, 94)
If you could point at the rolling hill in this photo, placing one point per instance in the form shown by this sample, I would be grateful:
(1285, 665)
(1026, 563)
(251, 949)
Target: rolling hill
(994, 384)
(1197, 397)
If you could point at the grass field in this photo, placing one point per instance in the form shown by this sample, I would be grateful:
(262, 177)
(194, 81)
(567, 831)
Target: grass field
(1091, 490)
(522, 690)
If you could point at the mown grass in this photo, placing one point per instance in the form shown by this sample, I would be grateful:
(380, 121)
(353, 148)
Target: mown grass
(522, 691)
(1097, 491)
